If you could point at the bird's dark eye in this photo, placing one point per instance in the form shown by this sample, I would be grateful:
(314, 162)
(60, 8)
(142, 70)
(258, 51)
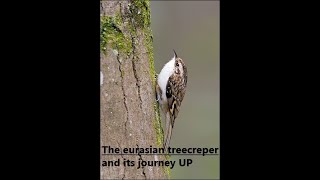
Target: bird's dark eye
(177, 64)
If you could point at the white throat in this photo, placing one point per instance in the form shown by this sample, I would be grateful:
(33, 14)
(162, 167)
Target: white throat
(163, 77)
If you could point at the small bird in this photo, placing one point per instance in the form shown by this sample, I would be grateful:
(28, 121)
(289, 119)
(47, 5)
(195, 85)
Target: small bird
(171, 88)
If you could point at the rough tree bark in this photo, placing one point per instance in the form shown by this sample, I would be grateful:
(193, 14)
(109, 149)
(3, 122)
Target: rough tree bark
(129, 113)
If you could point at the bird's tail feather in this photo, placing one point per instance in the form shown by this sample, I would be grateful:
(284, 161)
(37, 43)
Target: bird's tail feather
(168, 132)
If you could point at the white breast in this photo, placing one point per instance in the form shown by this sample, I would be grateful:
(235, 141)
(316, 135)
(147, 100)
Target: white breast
(163, 77)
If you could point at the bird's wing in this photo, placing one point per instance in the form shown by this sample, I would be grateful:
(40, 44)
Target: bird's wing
(171, 93)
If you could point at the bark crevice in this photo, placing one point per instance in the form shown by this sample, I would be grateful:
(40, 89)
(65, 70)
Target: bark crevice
(123, 91)
(143, 172)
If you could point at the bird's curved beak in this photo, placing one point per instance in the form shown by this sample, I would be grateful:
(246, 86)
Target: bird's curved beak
(175, 54)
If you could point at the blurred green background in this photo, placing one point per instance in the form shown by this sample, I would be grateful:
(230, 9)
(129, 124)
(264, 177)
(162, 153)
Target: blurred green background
(192, 29)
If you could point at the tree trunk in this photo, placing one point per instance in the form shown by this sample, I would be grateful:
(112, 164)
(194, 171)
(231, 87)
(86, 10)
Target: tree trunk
(129, 112)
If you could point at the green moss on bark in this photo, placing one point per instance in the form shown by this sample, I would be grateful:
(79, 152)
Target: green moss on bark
(110, 33)
(140, 11)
